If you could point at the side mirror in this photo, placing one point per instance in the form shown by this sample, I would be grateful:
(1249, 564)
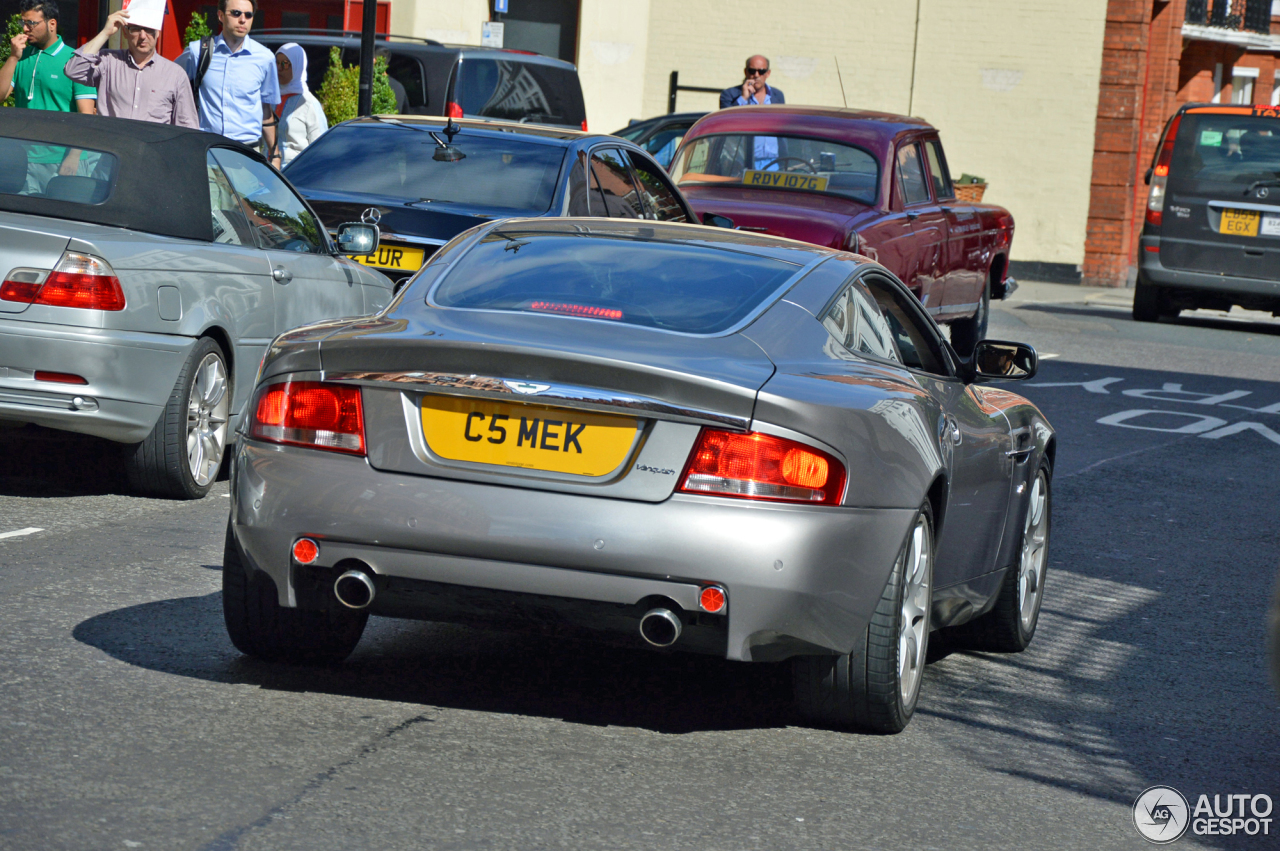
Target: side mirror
(358, 238)
(996, 360)
(715, 220)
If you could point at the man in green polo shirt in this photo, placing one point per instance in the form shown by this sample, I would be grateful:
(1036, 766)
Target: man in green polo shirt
(37, 81)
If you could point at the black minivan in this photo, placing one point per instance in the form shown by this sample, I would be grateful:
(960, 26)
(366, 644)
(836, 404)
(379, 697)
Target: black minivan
(1212, 233)
(461, 81)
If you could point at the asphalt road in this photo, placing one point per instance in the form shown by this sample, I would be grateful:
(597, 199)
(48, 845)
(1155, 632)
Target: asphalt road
(127, 720)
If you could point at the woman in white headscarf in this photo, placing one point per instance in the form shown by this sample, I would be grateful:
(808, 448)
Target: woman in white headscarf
(301, 115)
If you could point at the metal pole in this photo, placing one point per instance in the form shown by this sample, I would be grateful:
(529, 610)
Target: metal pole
(367, 26)
(671, 92)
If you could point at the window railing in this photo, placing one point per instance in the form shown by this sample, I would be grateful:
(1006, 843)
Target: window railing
(1247, 15)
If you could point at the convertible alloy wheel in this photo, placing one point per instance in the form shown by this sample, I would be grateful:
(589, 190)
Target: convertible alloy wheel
(207, 407)
(913, 622)
(1035, 540)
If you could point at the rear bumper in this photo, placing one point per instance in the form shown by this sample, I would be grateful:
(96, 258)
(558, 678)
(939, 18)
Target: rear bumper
(1155, 272)
(798, 579)
(130, 376)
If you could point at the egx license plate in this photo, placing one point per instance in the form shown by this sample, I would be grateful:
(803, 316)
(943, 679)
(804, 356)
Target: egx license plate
(1239, 223)
(533, 437)
(401, 258)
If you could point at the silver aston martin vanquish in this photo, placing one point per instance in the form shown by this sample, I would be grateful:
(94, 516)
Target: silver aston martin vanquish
(671, 435)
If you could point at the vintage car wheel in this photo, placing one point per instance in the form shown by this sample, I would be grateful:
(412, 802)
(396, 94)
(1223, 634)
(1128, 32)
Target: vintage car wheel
(877, 685)
(182, 455)
(965, 333)
(1011, 624)
(259, 626)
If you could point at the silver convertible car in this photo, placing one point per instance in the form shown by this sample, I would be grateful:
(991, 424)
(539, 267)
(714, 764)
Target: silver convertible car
(667, 434)
(146, 269)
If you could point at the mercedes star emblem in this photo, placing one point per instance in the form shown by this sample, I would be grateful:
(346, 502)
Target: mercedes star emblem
(1263, 192)
(371, 216)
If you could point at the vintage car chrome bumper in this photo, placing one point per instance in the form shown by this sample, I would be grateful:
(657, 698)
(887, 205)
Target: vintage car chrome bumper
(798, 579)
(130, 376)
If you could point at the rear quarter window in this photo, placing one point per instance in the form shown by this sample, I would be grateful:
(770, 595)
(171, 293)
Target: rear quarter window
(56, 172)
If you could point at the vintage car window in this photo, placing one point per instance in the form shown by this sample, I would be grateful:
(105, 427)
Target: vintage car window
(506, 172)
(621, 197)
(780, 162)
(279, 218)
(938, 171)
(230, 224)
(681, 287)
(910, 172)
(855, 320)
(37, 171)
(661, 200)
(519, 91)
(918, 344)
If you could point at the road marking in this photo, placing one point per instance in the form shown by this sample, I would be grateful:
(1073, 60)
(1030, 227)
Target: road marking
(30, 530)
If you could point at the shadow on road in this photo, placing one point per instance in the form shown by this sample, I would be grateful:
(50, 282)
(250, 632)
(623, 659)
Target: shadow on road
(1197, 320)
(40, 462)
(451, 666)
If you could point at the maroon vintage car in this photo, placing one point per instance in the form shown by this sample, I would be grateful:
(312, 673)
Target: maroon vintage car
(868, 182)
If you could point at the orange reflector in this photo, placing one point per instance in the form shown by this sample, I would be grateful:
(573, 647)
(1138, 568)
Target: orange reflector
(305, 551)
(59, 377)
(1154, 249)
(712, 599)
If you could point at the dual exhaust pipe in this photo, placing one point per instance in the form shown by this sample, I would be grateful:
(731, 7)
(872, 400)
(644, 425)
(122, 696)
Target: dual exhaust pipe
(354, 589)
(660, 627)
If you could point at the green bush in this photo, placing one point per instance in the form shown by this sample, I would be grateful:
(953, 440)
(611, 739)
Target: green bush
(12, 28)
(197, 29)
(340, 91)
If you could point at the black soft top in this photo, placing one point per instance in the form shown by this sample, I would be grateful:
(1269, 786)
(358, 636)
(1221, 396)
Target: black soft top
(161, 186)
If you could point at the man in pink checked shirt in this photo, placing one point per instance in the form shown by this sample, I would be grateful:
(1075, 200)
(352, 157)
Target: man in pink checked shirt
(134, 83)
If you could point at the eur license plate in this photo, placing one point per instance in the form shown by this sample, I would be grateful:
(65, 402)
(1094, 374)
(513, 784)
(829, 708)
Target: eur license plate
(401, 258)
(1239, 222)
(533, 437)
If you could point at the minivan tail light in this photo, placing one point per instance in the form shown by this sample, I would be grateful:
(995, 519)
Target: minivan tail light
(454, 110)
(1160, 174)
(761, 466)
(79, 280)
(316, 414)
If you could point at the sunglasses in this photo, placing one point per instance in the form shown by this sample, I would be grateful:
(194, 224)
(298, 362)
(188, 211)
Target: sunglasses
(134, 29)
(751, 72)
(236, 13)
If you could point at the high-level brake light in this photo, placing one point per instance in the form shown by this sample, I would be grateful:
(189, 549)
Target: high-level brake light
(79, 280)
(761, 466)
(310, 413)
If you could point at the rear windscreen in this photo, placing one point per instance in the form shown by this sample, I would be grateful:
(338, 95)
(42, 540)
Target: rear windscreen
(55, 172)
(1237, 149)
(674, 286)
(508, 172)
(519, 91)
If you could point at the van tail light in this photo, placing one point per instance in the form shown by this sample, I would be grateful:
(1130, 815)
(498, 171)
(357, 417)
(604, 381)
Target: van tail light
(79, 280)
(1160, 174)
(761, 466)
(310, 413)
(584, 125)
(454, 110)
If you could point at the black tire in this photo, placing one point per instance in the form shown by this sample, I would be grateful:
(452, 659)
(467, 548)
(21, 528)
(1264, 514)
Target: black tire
(1004, 629)
(1149, 302)
(863, 688)
(259, 626)
(159, 465)
(965, 333)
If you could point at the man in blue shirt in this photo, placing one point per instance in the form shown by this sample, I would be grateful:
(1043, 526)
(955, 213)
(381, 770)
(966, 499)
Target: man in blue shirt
(754, 89)
(240, 90)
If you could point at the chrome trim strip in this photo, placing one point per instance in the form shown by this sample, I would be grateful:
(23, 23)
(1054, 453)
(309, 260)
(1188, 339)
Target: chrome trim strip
(578, 398)
(1244, 205)
(399, 237)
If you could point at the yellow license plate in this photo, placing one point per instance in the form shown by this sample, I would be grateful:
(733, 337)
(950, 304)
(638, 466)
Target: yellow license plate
(401, 258)
(785, 180)
(532, 437)
(1239, 222)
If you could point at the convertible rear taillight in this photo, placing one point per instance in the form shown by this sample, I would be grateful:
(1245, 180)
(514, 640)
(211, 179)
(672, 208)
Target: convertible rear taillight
(1160, 174)
(761, 466)
(310, 413)
(79, 280)
(454, 110)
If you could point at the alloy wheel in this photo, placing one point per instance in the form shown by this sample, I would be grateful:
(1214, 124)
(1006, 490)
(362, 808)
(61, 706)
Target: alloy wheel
(207, 412)
(1034, 537)
(913, 625)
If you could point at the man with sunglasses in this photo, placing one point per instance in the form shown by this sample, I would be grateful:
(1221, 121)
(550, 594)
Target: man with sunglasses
(753, 89)
(240, 90)
(134, 83)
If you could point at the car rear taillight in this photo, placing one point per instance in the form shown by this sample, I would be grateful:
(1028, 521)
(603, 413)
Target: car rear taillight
(584, 125)
(1160, 174)
(454, 110)
(310, 413)
(761, 466)
(79, 280)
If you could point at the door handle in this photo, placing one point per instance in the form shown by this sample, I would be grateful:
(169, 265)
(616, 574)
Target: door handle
(281, 275)
(911, 216)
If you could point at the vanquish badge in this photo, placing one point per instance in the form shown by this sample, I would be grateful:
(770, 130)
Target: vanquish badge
(1161, 815)
(526, 388)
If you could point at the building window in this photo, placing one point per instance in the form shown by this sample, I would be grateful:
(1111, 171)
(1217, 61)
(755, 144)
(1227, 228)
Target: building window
(1242, 80)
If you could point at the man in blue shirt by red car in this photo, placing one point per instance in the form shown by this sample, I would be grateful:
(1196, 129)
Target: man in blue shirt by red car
(753, 89)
